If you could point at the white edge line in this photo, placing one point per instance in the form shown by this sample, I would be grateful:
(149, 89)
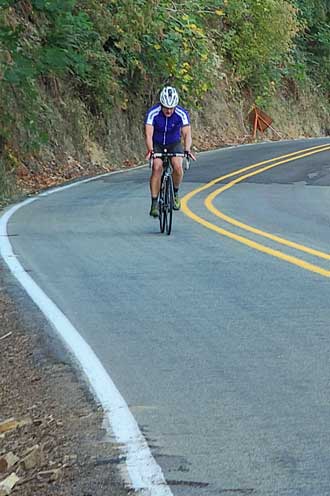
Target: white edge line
(143, 471)
(88, 180)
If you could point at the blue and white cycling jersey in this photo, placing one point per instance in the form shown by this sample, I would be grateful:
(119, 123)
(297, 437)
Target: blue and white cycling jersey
(167, 130)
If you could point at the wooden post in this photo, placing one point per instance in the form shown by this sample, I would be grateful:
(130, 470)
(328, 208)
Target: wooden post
(255, 125)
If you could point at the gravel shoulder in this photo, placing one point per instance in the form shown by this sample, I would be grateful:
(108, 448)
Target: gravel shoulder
(54, 443)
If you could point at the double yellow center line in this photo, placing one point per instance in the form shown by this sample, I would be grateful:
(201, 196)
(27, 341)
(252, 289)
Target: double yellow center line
(245, 173)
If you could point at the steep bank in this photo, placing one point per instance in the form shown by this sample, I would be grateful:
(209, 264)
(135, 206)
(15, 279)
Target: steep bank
(81, 145)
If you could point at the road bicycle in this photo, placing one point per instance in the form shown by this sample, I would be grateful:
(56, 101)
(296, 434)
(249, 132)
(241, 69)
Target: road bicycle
(166, 193)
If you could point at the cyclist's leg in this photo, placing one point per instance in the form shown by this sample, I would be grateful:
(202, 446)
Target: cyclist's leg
(156, 174)
(177, 172)
(155, 178)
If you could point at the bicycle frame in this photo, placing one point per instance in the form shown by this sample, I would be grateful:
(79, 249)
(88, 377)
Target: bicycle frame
(166, 193)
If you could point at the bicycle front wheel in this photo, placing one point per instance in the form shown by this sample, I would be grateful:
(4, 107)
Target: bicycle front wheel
(162, 209)
(169, 201)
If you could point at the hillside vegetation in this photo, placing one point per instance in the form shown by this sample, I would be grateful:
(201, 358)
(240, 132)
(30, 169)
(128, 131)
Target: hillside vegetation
(77, 75)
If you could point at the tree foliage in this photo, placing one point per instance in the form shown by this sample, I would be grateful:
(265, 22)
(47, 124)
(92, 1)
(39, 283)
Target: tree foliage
(40, 40)
(111, 53)
(313, 44)
(257, 39)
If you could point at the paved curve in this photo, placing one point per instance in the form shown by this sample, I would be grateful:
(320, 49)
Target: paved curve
(221, 352)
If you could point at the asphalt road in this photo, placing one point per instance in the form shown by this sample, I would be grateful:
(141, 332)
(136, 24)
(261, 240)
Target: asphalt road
(220, 348)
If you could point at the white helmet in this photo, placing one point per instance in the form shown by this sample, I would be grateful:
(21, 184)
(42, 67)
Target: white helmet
(169, 97)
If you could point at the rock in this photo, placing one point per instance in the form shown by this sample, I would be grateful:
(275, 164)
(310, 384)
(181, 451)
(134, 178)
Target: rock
(7, 461)
(50, 475)
(37, 422)
(8, 425)
(12, 424)
(32, 457)
(25, 421)
(22, 171)
(8, 484)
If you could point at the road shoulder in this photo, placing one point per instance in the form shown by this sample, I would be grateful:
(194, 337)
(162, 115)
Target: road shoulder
(55, 443)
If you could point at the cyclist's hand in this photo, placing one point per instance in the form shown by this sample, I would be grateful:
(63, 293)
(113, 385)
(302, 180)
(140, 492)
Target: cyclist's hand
(149, 154)
(189, 154)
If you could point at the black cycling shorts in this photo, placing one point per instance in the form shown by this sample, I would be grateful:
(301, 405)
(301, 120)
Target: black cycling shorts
(173, 148)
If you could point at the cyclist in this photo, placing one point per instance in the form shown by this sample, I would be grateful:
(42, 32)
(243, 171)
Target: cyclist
(165, 125)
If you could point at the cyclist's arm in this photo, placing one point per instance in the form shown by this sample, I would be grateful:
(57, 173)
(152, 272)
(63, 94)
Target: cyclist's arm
(149, 132)
(187, 140)
(186, 134)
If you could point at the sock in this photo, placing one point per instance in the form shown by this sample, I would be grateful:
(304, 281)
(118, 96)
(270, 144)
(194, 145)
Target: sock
(176, 190)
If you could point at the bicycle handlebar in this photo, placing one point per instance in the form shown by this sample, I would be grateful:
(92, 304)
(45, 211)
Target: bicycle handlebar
(163, 155)
(168, 155)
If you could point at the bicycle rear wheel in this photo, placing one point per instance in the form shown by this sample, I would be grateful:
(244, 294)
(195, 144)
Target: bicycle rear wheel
(169, 200)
